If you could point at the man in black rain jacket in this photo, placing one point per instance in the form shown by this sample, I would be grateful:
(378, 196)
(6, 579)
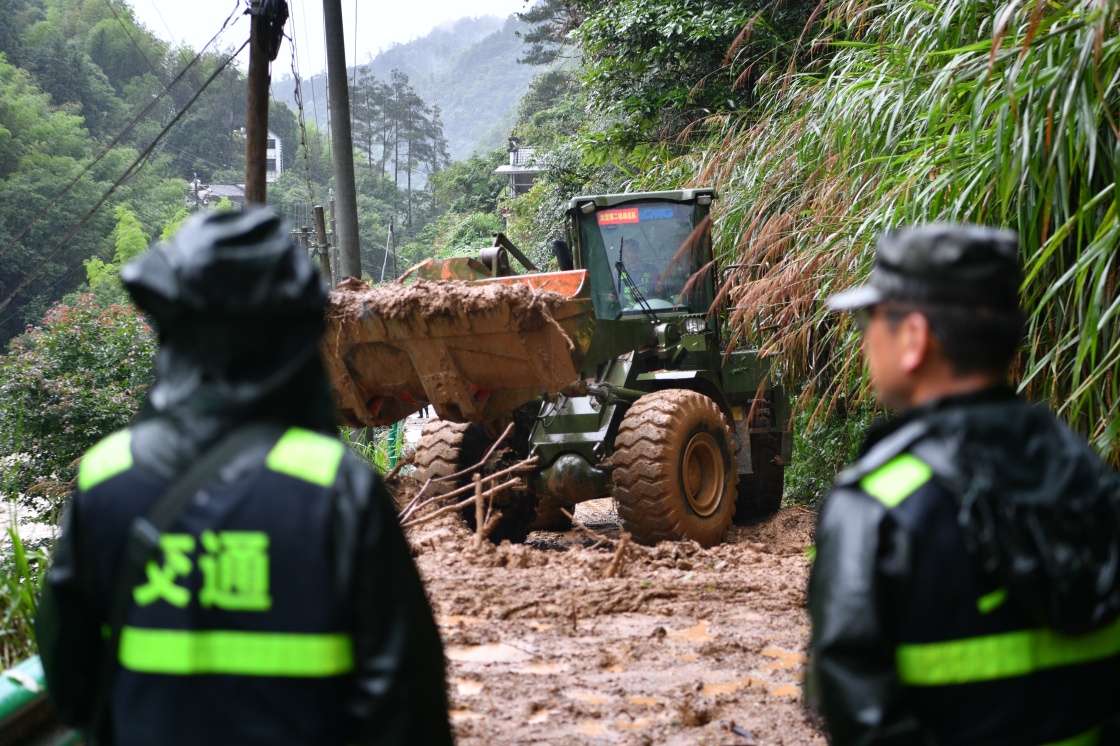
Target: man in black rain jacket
(966, 585)
(281, 606)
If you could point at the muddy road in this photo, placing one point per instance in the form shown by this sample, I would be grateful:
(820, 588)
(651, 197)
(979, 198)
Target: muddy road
(681, 644)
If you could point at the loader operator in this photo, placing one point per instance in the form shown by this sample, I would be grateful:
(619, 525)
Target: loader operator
(228, 572)
(642, 272)
(966, 585)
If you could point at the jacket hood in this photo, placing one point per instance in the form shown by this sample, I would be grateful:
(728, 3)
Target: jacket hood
(239, 309)
(1039, 508)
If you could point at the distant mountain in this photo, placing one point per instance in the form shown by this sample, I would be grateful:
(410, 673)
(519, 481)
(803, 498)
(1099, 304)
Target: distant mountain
(469, 68)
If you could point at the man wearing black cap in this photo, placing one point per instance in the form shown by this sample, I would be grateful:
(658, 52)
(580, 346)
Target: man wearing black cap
(228, 572)
(966, 585)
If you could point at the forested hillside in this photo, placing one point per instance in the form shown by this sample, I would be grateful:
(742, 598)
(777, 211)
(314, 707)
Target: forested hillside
(103, 125)
(468, 69)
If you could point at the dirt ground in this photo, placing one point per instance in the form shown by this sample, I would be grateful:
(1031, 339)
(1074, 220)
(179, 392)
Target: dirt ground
(684, 646)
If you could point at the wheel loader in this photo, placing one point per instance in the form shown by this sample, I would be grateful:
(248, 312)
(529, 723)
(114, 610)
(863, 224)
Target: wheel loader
(611, 371)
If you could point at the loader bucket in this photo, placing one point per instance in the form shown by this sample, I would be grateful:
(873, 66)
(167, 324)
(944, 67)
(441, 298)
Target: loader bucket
(473, 350)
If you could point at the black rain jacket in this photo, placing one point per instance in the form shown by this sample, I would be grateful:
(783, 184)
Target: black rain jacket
(973, 538)
(340, 563)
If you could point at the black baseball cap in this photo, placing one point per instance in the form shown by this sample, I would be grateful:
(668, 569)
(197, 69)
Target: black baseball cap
(947, 264)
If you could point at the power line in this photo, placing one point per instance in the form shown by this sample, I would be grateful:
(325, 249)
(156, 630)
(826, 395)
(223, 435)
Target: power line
(109, 5)
(302, 116)
(116, 140)
(314, 101)
(124, 177)
(155, 7)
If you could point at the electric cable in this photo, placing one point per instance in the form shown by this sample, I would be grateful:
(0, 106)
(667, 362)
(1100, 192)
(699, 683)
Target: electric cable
(109, 5)
(114, 142)
(138, 163)
(314, 100)
(170, 33)
(327, 72)
(302, 116)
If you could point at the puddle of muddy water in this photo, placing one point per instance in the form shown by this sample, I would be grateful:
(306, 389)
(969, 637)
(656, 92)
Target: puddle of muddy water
(494, 653)
(453, 621)
(643, 701)
(791, 657)
(711, 690)
(467, 688)
(697, 634)
(543, 669)
(457, 715)
(591, 728)
(591, 698)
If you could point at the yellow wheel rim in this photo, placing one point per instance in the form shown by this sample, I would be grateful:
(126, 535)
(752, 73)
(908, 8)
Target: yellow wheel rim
(702, 474)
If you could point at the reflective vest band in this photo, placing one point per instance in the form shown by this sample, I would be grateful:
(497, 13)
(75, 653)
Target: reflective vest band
(1001, 656)
(308, 456)
(107, 459)
(897, 479)
(184, 653)
(1088, 738)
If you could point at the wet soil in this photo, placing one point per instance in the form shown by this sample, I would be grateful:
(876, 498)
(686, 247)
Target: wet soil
(423, 301)
(680, 646)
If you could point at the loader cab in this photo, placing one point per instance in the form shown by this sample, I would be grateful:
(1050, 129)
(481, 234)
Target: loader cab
(645, 251)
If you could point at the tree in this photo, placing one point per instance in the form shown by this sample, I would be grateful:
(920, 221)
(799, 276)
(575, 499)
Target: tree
(551, 22)
(129, 241)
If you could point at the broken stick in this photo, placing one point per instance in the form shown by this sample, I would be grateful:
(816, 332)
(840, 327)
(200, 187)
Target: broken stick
(615, 567)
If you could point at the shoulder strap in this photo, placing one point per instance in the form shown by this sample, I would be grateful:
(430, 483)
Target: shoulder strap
(143, 541)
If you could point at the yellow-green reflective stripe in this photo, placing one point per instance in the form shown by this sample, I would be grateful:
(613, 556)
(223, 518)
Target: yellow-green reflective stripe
(897, 479)
(989, 602)
(1001, 656)
(107, 459)
(181, 652)
(308, 456)
(1088, 738)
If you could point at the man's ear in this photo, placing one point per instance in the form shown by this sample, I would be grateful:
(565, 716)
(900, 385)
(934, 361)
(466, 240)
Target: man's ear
(915, 341)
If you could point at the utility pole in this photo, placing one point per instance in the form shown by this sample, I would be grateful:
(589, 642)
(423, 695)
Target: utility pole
(266, 30)
(256, 130)
(323, 246)
(342, 143)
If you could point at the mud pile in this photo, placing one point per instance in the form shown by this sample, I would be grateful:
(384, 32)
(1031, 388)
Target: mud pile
(424, 301)
(474, 351)
(682, 644)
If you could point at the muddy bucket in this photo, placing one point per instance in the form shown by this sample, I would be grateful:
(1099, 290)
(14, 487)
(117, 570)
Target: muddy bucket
(473, 350)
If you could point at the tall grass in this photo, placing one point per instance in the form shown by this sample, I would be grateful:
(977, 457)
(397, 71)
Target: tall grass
(20, 574)
(907, 112)
(380, 447)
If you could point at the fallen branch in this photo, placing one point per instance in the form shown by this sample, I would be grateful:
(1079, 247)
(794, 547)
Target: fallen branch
(615, 567)
(477, 467)
(520, 466)
(402, 462)
(479, 512)
(408, 510)
(598, 537)
(516, 482)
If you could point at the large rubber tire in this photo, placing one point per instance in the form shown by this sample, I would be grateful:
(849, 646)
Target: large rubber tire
(674, 468)
(446, 448)
(760, 493)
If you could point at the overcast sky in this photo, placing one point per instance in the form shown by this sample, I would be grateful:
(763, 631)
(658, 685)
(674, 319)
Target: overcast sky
(380, 23)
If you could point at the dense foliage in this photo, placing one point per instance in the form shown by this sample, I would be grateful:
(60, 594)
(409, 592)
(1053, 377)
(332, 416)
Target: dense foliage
(947, 112)
(824, 125)
(66, 384)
